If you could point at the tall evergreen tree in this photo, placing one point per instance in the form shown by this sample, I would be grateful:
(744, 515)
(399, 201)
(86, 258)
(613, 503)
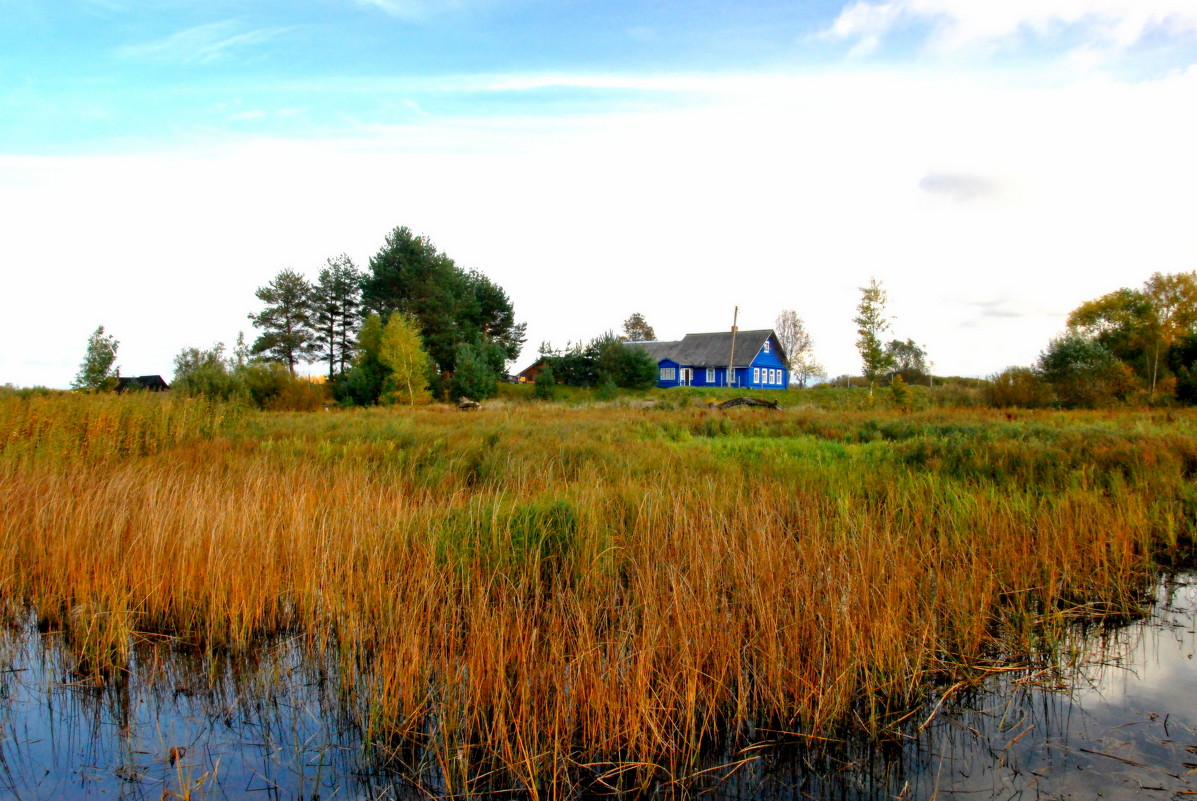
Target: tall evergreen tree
(286, 322)
(492, 314)
(452, 306)
(363, 384)
(336, 311)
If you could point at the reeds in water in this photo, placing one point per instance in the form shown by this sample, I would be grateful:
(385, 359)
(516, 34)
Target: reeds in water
(545, 598)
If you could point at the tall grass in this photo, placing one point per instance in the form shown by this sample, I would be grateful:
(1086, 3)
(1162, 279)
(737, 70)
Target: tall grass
(89, 428)
(544, 597)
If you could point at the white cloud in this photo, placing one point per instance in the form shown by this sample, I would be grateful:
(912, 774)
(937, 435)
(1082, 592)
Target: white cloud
(420, 10)
(956, 24)
(958, 187)
(202, 44)
(773, 192)
(409, 9)
(250, 115)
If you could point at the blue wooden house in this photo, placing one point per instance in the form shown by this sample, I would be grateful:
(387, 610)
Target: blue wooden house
(702, 360)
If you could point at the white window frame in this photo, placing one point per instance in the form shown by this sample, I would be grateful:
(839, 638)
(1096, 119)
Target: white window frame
(766, 346)
(772, 376)
(710, 375)
(668, 374)
(756, 375)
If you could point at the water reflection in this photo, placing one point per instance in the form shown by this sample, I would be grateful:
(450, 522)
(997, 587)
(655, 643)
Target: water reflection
(1122, 723)
(266, 726)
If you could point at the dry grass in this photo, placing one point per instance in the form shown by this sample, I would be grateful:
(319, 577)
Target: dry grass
(541, 597)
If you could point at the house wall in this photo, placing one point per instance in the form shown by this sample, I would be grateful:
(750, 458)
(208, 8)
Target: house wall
(764, 362)
(662, 367)
(700, 377)
(752, 377)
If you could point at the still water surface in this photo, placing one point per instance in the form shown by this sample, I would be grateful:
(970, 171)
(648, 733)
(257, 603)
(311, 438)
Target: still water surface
(1121, 724)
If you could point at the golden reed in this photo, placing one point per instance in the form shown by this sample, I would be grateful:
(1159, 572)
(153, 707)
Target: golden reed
(536, 592)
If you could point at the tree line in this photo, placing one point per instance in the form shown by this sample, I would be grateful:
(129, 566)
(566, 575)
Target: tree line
(412, 326)
(415, 325)
(1127, 346)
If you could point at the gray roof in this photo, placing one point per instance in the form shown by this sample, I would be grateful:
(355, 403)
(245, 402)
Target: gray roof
(657, 350)
(711, 350)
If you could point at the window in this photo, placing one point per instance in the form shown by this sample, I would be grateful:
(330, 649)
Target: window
(668, 374)
(766, 346)
(710, 375)
(756, 375)
(772, 376)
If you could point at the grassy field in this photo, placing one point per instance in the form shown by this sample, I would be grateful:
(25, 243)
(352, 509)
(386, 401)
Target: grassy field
(544, 595)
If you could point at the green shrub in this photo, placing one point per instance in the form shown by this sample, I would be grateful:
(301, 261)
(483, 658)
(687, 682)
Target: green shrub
(1019, 387)
(546, 384)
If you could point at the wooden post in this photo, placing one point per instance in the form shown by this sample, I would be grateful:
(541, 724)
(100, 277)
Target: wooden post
(731, 359)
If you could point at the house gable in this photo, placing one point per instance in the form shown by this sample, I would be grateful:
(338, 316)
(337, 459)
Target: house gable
(756, 357)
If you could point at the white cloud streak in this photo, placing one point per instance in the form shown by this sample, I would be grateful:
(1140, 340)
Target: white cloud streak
(422, 10)
(202, 44)
(956, 24)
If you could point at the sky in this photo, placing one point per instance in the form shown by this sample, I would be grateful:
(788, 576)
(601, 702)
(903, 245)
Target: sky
(993, 165)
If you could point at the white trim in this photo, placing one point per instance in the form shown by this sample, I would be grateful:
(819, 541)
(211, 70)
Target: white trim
(668, 374)
(710, 375)
(756, 375)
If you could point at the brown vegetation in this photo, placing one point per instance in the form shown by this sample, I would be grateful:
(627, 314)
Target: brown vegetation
(542, 596)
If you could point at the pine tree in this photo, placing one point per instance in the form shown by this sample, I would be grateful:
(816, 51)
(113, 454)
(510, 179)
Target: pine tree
(286, 322)
(336, 311)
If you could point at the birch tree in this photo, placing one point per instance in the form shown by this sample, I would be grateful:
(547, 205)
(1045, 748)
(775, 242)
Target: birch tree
(97, 371)
(798, 346)
(871, 322)
(402, 352)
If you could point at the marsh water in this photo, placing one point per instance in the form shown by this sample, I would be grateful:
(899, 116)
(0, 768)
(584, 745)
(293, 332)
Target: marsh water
(1120, 721)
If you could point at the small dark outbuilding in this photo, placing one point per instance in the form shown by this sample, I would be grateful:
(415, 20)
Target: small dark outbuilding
(528, 374)
(149, 383)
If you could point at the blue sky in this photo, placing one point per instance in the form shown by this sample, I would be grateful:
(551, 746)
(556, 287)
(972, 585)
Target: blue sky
(101, 75)
(993, 164)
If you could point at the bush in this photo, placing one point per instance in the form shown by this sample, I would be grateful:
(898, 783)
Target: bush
(900, 393)
(1019, 387)
(604, 360)
(205, 373)
(1084, 374)
(298, 395)
(473, 375)
(546, 384)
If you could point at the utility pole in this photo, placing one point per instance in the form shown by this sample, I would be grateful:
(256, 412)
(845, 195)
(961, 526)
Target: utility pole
(731, 359)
